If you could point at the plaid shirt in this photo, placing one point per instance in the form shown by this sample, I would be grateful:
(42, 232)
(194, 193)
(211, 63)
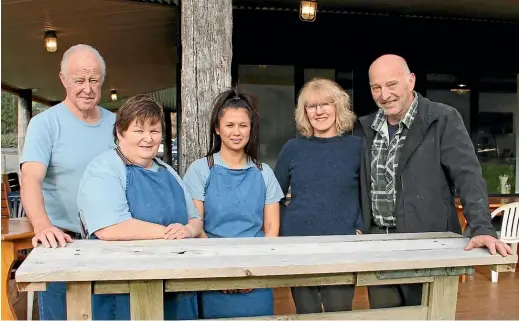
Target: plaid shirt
(384, 163)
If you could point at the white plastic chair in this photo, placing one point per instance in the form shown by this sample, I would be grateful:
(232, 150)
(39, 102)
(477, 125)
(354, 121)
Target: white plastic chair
(509, 228)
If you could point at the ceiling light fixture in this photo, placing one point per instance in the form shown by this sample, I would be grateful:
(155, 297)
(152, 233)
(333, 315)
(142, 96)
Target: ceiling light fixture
(51, 41)
(308, 10)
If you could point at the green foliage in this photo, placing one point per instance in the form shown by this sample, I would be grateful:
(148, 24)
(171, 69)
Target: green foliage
(38, 108)
(491, 173)
(9, 113)
(9, 141)
(10, 118)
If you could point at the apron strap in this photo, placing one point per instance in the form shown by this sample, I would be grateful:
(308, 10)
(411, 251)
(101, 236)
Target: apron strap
(210, 161)
(210, 164)
(121, 155)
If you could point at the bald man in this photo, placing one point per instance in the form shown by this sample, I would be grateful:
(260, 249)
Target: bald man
(417, 153)
(60, 142)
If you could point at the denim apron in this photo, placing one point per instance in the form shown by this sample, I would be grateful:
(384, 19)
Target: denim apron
(233, 207)
(154, 197)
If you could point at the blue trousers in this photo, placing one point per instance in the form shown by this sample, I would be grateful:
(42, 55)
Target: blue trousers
(216, 304)
(52, 305)
(52, 302)
(177, 306)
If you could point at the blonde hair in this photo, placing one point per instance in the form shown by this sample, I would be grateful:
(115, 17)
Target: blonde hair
(344, 116)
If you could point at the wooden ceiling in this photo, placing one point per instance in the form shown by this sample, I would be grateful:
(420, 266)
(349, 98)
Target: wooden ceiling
(136, 39)
(479, 9)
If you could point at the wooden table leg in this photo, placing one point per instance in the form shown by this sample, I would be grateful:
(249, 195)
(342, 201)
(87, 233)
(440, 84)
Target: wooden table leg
(79, 300)
(442, 299)
(147, 300)
(463, 224)
(8, 256)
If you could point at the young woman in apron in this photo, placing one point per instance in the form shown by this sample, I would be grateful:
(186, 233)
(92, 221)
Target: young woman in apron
(237, 195)
(128, 194)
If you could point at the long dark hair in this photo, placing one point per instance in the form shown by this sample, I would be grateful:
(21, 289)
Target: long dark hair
(235, 98)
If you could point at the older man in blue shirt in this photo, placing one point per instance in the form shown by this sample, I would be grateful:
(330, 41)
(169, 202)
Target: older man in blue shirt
(60, 142)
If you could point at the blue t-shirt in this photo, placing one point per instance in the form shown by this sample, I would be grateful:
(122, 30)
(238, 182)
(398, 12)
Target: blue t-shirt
(65, 145)
(198, 172)
(323, 175)
(102, 192)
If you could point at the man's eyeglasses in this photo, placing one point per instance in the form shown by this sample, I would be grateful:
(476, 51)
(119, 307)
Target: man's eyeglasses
(324, 106)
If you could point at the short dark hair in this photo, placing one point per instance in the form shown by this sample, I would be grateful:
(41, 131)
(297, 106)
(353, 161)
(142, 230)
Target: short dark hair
(141, 108)
(235, 98)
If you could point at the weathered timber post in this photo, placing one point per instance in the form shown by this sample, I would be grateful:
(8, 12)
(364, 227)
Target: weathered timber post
(206, 32)
(24, 116)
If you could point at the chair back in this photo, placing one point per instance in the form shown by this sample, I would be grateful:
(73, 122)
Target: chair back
(6, 209)
(510, 226)
(11, 181)
(11, 186)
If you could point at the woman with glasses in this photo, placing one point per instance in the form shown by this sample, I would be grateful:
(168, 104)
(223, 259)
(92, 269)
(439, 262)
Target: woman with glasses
(321, 168)
(237, 196)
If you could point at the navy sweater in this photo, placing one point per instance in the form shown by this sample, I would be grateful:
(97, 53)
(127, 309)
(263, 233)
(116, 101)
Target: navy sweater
(323, 175)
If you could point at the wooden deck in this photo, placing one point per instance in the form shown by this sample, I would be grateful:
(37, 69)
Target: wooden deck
(496, 301)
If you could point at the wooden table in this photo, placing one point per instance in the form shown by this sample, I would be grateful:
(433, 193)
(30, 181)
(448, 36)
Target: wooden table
(493, 202)
(147, 269)
(17, 238)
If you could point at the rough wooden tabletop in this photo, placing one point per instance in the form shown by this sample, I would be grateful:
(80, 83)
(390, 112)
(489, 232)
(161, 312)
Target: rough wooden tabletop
(95, 260)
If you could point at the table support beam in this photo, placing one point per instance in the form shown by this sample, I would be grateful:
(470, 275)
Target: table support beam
(79, 300)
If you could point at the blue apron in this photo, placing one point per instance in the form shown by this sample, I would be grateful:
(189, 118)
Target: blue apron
(233, 207)
(154, 197)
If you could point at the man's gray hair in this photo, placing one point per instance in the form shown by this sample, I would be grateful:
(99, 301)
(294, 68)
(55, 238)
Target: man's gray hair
(67, 54)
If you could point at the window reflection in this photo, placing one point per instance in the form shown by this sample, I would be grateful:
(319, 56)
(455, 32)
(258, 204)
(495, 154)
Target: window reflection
(497, 148)
(274, 88)
(450, 90)
(319, 73)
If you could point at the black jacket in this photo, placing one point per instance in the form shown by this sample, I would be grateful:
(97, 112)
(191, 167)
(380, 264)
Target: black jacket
(437, 157)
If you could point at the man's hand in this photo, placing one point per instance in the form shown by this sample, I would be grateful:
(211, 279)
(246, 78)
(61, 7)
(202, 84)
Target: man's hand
(494, 245)
(50, 237)
(176, 232)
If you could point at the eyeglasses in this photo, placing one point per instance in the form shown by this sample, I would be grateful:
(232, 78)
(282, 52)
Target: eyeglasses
(324, 106)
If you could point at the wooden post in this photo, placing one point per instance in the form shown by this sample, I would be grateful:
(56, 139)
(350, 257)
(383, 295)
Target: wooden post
(206, 32)
(24, 116)
(79, 300)
(147, 300)
(443, 294)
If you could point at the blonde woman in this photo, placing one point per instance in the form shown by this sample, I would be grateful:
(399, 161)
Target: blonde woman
(322, 170)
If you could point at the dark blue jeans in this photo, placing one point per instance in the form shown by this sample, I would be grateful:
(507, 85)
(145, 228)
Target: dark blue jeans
(52, 305)
(52, 302)
(177, 306)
